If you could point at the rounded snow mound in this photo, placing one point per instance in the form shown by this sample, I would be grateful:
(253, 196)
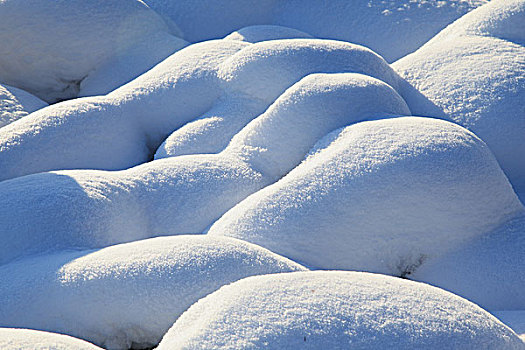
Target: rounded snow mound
(28, 339)
(265, 70)
(380, 196)
(49, 46)
(472, 74)
(279, 139)
(257, 33)
(488, 270)
(16, 103)
(127, 294)
(336, 310)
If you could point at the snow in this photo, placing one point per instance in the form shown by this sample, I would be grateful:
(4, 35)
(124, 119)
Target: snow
(380, 196)
(16, 104)
(257, 33)
(472, 74)
(334, 310)
(513, 319)
(90, 209)
(488, 270)
(130, 64)
(275, 66)
(49, 46)
(127, 294)
(28, 339)
(393, 28)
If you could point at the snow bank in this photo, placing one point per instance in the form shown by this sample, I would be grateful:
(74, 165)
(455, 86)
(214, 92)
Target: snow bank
(123, 128)
(257, 75)
(49, 46)
(472, 74)
(16, 103)
(126, 294)
(177, 195)
(331, 310)
(129, 64)
(513, 319)
(392, 28)
(379, 196)
(489, 270)
(28, 339)
(254, 34)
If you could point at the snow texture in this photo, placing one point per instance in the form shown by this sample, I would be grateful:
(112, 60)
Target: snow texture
(514, 319)
(393, 28)
(336, 310)
(129, 294)
(16, 104)
(89, 209)
(28, 339)
(472, 73)
(488, 270)
(380, 196)
(275, 66)
(255, 34)
(44, 42)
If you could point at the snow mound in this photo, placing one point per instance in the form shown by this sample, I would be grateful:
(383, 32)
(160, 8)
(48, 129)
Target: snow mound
(336, 310)
(49, 46)
(254, 34)
(129, 64)
(89, 209)
(16, 103)
(472, 74)
(489, 270)
(28, 339)
(274, 66)
(130, 293)
(380, 196)
(514, 319)
(121, 129)
(392, 28)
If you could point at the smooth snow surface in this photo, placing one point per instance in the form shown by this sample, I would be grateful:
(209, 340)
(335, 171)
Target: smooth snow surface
(126, 294)
(380, 196)
(393, 28)
(472, 73)
(49, 46)
(336, 310)
(514, 319)
(177, 195)
(28, 339)
(254, 34)
(16, 103)
(489, 270)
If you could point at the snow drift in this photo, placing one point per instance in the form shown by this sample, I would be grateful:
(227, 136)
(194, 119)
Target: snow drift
(16, 103)
(336, 310)
(257, 33)
(472, 73)
(28, 339)
(128, 294)
(379, 196)
(177, 195)
(49, 46)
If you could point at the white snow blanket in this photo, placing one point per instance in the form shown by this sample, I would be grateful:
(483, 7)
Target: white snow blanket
(472, 73)
(130, 294)
(336, 310)
(16, 103)
(380, 196)
(28, 339)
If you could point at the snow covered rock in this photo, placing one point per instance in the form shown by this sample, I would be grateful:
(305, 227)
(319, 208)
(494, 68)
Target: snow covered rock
(178, 195)
(16, 103)
(129, 64)
(123, 128)
(380, 196)
(472, 74)
(336, 310)
(257, 33)
(257, 75)
(49, 46)
(488, 270)
(126, 294)
(29, 339)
